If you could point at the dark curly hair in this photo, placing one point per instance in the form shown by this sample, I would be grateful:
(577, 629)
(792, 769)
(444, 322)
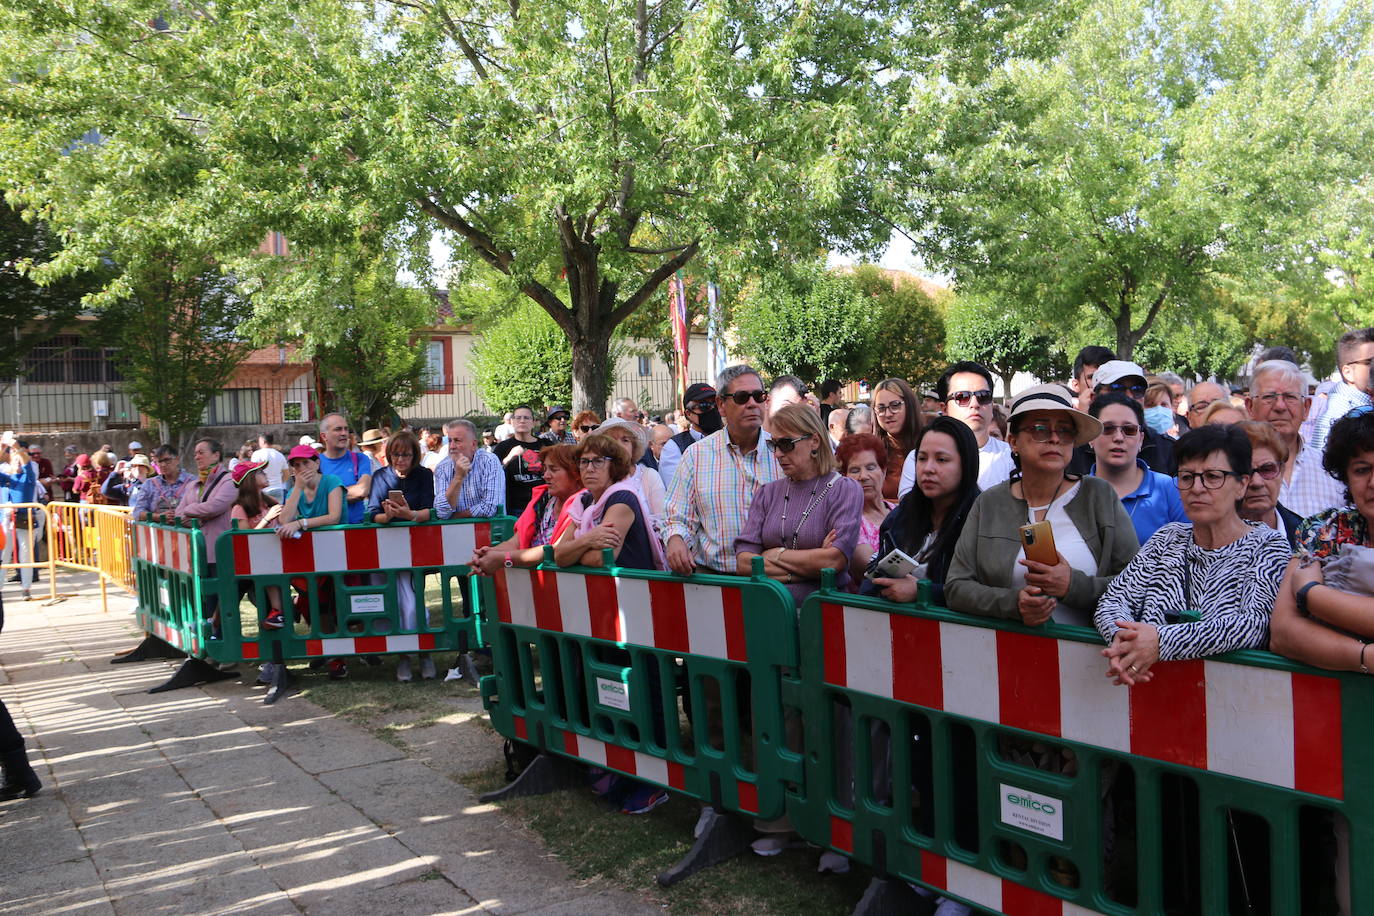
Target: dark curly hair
(1350, 436)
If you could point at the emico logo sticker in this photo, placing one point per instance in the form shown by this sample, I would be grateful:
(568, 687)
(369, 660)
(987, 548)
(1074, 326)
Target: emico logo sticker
(1027, 810)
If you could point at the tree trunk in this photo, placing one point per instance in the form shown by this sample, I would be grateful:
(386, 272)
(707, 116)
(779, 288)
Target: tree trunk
(1125, 338)
(591, 370)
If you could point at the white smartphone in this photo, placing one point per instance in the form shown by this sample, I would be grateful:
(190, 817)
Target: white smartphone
(895, 565)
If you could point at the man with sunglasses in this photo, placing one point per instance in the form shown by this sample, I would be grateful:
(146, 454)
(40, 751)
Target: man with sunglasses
(1354, 354)
(965, 393)
(699, 406)
(1278, 396)
(1125, 377)
(717, 478)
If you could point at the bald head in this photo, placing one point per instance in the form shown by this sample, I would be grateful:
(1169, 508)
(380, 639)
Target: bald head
(1200, 398)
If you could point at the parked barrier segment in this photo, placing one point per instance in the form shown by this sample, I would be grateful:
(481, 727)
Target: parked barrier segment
(997, 763)
(172, 579)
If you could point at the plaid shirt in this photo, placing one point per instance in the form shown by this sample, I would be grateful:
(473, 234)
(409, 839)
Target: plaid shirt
(483, 491)
(712, 488)
(1311, 490)
(157, 495)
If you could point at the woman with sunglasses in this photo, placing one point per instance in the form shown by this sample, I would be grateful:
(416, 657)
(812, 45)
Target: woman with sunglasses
(584, 424)
(990, 574)
(1200, 588)
(898, 415)
(1149, 497)
(808, 521)
(1268, 454)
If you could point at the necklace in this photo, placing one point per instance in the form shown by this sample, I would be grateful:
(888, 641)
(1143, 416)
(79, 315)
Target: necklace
(1031, 510)
(814, 501)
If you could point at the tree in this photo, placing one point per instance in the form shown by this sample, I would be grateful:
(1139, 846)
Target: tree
(910, 339)
(177, 339)
(1159, 145)
(606, 144)
(523, 359)
(1005, 340)
(815, 326)
(1197, 343)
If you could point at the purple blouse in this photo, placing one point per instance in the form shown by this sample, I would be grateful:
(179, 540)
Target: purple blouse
(840, 509)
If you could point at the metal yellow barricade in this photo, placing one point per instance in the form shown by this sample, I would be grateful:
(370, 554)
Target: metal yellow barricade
(96, 539)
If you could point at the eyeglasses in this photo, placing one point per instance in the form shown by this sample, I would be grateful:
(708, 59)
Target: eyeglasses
(1129, 430)
(1042, 433)
(1211, 479)
(889, 407)
(1291, 400)
(786, 445)
(742, 397)
(586, 429)
(588, 463)
(701, 404)
(1133, 388)
(1269, 470)
(982, 396)
(1199, 406)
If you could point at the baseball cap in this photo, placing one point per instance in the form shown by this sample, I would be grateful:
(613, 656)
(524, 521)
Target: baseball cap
(697, 392)
(243, 469)
(1114, 370)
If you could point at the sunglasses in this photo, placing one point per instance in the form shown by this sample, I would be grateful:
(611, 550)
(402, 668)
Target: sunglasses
(742, 397)
(982, 396)
(1039, 432)
(1269, 470)
(701, 404)
(1129, 430)
(786, 445)
(1136, 389)
(586, 429)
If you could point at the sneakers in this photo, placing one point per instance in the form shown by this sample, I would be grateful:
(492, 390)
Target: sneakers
(772, 844)
(274, 620)
(267, 673)
(644, 799)
(337, 669)
(833, 863)
(403, 669)
(603, 781)
(454, 674)
(427, 668)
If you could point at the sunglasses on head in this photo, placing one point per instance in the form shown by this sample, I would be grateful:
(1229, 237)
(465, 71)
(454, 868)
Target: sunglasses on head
(786, 445)
(742, 397)
(982, 396)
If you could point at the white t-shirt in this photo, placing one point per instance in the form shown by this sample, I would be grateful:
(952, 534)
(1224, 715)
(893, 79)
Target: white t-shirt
(994, 466)
(276, 465)
(1070, 544)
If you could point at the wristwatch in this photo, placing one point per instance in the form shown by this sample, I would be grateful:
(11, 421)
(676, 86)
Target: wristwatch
(1301, 597)
(509, 562)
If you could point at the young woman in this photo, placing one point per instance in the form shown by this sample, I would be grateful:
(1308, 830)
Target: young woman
(253, 508)
(1149, 497)
(898, 414)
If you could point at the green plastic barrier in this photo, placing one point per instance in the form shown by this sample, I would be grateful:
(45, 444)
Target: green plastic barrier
(997, 764)
(170, 571)
(590, 663)
(348, 582)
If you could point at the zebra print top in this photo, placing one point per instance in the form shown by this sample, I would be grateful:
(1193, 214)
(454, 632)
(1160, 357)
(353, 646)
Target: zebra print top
(1232, 587)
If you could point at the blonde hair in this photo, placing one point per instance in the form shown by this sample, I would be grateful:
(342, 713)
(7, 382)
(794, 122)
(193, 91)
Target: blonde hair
(1219, 405)
(805, 420)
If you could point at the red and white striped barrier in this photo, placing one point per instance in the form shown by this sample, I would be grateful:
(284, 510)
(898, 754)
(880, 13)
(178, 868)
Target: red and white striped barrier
(163, 546)
(1267, 725)
(354, 549)
(683, 617)
(357, 645)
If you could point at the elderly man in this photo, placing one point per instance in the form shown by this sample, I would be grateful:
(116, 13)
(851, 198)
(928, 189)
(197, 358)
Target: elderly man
(625, 409)
(556, 432)
(717, 478)
(353, 469)
(700, 409)
(834, 424)
(1354, 353)
(469, 483)
(965, 390)
(160, 494)
(1200, 397)
(1278, 396)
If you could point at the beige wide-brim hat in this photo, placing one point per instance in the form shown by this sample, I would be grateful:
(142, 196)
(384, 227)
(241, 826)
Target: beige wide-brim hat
(1060, 399)
(638, 430)
(372, 437)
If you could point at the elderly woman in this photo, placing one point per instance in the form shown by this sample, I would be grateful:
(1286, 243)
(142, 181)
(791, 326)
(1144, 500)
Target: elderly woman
(928, 521)
(1200, 588)
(808, 521)
(544, 519)
(1268, 455)
(1093, 536)
(634, 438)
(1150, 498)
(899, 421)
(863, 459)
(610, 513)
(1223, 412)
(860, 421)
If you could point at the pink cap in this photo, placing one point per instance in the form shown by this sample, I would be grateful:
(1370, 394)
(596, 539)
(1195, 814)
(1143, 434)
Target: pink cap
(302, 451)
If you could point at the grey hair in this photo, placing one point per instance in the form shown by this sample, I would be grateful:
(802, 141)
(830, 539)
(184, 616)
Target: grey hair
(1287, 371)
(325, 419)
(859, 413)
(453, 426)
(730, 373)
(619, 404)
(1170, 378)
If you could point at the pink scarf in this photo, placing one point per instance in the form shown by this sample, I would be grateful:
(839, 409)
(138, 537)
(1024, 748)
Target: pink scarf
(585, 518)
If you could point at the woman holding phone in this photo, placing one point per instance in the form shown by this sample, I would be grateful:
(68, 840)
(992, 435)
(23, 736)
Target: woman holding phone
(1046, 543)
(403, 491)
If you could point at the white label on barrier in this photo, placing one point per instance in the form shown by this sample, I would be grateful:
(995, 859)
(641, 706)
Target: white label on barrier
(1037, 813)
(615, 694)
(165, 596)
(367, 604)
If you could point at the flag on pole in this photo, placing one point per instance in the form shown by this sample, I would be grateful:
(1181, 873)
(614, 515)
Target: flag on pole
(715, 342)
(677, 309)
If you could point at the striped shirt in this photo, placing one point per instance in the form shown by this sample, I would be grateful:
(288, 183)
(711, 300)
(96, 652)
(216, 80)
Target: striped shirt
(483, 491)
(709, 497)
(1340, 402)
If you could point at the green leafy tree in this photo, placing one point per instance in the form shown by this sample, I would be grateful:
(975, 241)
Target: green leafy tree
(1154, 147)
(606, 145)
(177, 339)
(814, 327)
(1005, 339)
(523, 359)
(1196, 343)
(909, 342)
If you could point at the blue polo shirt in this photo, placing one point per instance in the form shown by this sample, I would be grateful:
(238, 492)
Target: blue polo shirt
(349, 468)
(1154, 503)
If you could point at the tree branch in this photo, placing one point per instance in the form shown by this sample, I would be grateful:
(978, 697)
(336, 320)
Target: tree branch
(656, 279)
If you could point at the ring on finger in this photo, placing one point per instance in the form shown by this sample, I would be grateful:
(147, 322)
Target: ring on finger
(1134, 668)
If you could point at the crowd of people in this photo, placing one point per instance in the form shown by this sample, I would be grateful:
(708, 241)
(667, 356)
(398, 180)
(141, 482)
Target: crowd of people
(1180, 522)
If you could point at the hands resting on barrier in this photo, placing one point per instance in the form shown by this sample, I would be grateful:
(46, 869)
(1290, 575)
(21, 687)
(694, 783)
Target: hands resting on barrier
(1134, 649)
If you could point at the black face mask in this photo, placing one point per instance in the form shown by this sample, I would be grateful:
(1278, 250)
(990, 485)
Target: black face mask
(708, 418)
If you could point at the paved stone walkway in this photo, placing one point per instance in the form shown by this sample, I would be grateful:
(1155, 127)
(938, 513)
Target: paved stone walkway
(205, 801)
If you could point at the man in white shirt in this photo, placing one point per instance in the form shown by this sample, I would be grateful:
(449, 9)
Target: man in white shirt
(1278, 396)
(965, 391)
(276, 466)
